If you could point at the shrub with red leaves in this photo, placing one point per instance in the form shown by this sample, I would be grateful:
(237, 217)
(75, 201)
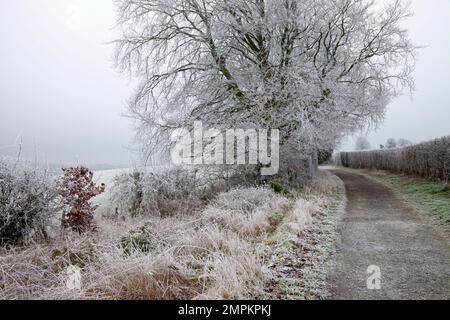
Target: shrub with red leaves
(77, 188)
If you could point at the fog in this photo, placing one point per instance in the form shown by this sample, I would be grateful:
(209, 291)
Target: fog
(62, 100)
(59, 91)
(425, 115)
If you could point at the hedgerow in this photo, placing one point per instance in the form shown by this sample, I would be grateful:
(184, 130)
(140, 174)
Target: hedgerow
(429, 160)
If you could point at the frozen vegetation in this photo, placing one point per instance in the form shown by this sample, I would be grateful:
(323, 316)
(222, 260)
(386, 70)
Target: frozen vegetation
(221, 247)
(428, 160)
(314, 70)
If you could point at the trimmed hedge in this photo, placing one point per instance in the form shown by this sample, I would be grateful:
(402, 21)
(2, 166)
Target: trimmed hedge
(429, 160)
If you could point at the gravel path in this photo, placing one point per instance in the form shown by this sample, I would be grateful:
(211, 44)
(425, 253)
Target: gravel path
(379, 229)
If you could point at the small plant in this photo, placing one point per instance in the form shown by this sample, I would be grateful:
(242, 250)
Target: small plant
(290, 245)
(278, 186)
(65, 257)
(139, 240)
(77, 188)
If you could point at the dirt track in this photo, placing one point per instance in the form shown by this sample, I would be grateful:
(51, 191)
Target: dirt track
(380, 229)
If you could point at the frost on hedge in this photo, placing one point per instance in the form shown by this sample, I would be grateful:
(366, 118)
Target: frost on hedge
(163, 193)
(428, 160)
(27, 202)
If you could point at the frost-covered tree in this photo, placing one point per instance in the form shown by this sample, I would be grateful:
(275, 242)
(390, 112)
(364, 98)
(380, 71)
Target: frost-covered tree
(403, 142)
(315, 69)
(391, 143)
(362, 144)
(324, 156)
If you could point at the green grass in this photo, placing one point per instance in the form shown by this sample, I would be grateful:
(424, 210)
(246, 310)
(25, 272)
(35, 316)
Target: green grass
(429, 196)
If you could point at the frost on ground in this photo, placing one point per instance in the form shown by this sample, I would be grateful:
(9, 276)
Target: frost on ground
(246, 243)
(304, 243)
(217, 253)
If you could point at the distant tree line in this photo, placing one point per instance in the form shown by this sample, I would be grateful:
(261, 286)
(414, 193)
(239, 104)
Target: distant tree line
(362, 143)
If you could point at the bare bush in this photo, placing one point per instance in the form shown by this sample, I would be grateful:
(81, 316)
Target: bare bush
(428, 160)
(28, 201)
(161, 193)
(173, 191)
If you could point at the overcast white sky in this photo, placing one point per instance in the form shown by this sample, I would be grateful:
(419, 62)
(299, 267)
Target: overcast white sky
(58, 87)
(427, 114)
(59, 92)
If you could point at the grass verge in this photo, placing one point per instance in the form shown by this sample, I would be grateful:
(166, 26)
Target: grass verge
(304, 243)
